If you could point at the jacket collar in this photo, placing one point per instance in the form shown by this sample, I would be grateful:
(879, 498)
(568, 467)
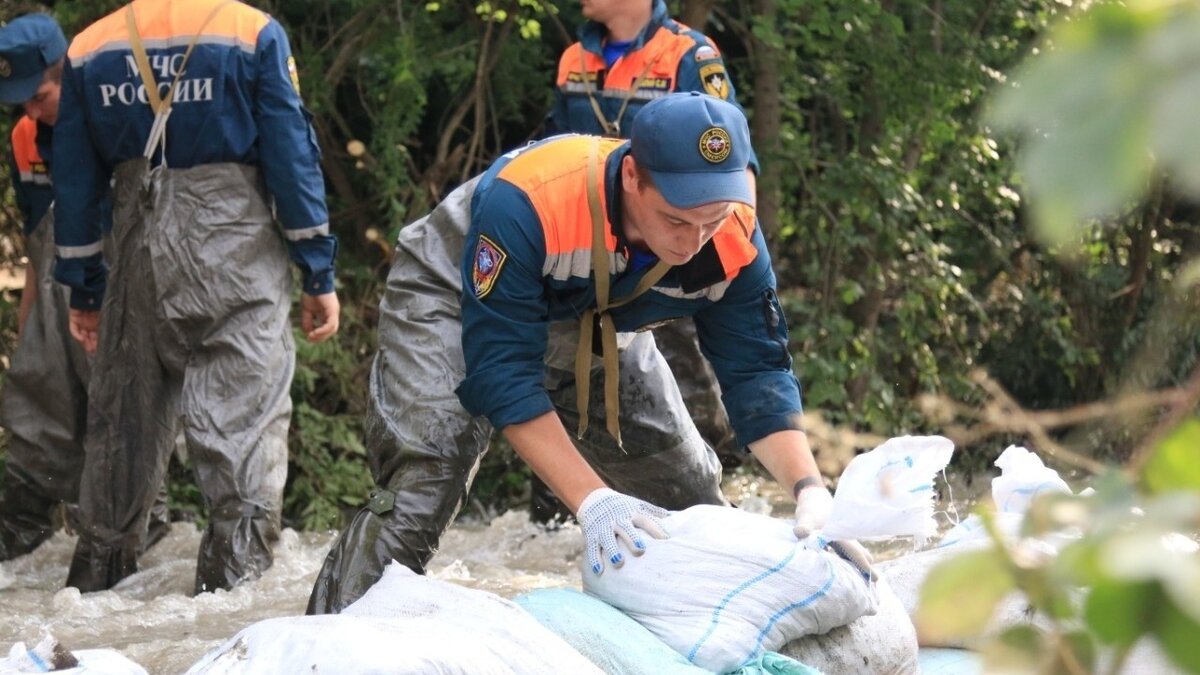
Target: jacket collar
(591, 33)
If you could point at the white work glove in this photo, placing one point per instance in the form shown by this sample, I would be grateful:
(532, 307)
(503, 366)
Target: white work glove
(606, 515)
(813, 506)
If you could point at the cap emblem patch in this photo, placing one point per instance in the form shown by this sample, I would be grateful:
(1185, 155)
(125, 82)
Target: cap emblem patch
(5, 67)
(715, 145)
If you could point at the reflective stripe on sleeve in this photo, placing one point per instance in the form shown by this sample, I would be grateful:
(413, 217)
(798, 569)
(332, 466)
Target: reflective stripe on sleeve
(307, 233)
(78, 251)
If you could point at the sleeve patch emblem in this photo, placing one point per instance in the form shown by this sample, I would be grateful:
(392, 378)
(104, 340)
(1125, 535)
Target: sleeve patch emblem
(704, 53)
(489, 258)
(294, 73)
(716, 82)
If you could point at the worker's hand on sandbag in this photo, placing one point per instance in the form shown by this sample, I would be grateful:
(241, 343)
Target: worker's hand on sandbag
(606, 515)
(813, 506)
(853, 552)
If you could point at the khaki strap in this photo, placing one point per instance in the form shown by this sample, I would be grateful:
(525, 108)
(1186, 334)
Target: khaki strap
(158, 103)
(608, 332)
(612, 128)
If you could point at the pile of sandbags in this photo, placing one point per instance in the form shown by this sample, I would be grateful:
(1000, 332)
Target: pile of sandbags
(619, 645)
(724, 593)
(1023, 476)
(728, 586)
(406, 623)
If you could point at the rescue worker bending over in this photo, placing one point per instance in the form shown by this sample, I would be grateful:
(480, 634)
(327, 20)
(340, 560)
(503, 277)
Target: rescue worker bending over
(497, 302)
(193, 108)
(44, 404)
(629, 53)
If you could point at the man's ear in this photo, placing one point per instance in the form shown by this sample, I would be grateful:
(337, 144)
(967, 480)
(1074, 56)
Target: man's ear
(629, 174)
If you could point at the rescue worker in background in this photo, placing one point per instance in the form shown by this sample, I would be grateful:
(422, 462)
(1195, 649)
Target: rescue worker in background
(44, 403)
(193, 109)
(629, 53)
(491, 314)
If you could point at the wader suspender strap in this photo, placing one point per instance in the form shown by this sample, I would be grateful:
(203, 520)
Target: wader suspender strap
(608, 333)
(612, 128)
(159, 104)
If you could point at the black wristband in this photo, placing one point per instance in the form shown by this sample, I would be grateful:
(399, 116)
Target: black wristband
(807, 481)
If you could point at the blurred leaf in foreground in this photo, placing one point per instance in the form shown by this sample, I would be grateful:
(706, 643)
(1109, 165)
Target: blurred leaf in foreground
(1110, 97)
(960, 596)
(1175, 464)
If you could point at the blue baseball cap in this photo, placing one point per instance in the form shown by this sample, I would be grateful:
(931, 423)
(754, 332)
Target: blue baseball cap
(696, 148)
(28, 46)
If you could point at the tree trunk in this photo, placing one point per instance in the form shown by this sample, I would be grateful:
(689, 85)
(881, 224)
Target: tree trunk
(768, 116)
(695, 13)
(865, 314)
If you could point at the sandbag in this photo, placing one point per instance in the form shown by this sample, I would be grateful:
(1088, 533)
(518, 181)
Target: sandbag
(888, 492)
(1022, 477)
(405, 623)
(728, 586)
(36, 659)
(621, 646)
(884, 643)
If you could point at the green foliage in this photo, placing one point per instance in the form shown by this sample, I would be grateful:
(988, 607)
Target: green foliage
(1121, 613)
(1174, 466)
(961, 595)
(1129, 569)
(502, 481)
(900, 217)
(1133, 68)
(184, 500)
(1097, 181)
(327, 471)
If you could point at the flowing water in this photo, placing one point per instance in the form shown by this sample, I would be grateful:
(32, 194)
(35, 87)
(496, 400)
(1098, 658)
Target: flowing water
(152, 618)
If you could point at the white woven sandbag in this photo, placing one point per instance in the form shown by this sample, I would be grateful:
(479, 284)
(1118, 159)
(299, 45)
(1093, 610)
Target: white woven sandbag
(406, 623)
(728, 585)
(888, 492)
(1022, 477)
(884, 643)
(91, 662)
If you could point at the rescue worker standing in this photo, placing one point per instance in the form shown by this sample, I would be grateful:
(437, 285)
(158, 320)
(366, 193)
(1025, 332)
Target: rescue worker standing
(629, 53)
(45, 396)
(193, 109)
(44, 403)
(497, 299)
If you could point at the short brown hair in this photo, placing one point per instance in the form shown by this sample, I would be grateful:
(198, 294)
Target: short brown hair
(645, 180)
(54, 72)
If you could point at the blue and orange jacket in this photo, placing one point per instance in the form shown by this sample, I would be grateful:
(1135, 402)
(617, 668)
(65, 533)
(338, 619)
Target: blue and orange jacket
(666, 57)
(34, 189)
(31, 174)
(528, 261)
(237, 101)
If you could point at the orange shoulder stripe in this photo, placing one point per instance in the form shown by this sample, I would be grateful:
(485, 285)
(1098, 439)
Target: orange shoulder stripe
(24, 144)
(733, 240)
(172, 23)
(554, 178)
(568, 63)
